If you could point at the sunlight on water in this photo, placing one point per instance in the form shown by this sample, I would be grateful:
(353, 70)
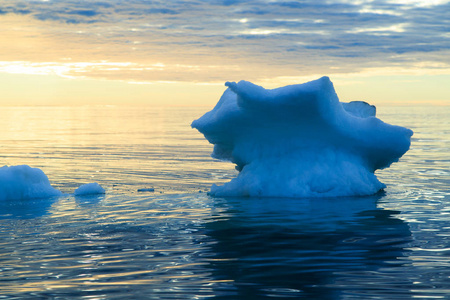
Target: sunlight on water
(179, 243)
(124, 148)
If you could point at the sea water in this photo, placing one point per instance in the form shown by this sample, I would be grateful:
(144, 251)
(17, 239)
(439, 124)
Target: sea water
(156, 234)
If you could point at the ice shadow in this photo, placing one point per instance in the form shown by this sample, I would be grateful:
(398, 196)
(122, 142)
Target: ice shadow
(307, 248)
(88, 201)
(26, 208)
(39, 207)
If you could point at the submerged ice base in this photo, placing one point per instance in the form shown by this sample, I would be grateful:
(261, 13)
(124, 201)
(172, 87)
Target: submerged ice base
(299, 141)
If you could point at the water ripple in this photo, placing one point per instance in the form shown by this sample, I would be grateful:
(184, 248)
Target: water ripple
(178, 243)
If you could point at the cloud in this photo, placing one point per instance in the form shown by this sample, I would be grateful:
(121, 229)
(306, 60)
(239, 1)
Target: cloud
(165, 11)
(84, 12)
(264, 37)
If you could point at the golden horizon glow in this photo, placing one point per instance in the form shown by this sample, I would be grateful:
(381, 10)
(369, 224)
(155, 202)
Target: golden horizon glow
(55, 59)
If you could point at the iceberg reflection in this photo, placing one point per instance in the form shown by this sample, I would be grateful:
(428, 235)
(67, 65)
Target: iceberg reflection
(26, 209)
(307, 247)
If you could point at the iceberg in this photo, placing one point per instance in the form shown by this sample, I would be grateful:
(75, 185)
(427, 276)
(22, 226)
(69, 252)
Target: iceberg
(89, 189)
(24, 182)
(299, 141)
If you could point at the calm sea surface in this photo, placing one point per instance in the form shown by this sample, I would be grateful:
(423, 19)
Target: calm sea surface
(179, 243)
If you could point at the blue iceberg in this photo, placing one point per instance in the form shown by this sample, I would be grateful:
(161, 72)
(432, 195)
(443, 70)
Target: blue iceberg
(89, 189)
(24, 182)
(299, 141)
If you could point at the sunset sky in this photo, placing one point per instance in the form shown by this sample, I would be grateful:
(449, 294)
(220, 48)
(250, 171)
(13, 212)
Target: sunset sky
(181, 52)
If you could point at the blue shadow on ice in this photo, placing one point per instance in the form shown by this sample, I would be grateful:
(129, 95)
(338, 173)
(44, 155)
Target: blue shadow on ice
(308, 248)
(299, 141)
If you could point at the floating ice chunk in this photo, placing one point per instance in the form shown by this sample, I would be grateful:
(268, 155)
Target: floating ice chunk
(299, 141)
(146, 190)
(24, 182)
(89, 189)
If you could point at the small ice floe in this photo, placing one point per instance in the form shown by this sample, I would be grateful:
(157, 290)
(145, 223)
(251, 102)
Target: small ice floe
(146, 190)
(89, 189)
(24, 182)
(299, 141)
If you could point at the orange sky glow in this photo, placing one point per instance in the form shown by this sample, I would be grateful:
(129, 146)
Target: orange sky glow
(88, 53)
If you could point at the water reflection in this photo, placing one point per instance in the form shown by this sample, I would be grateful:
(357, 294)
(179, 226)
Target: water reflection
(177, 243)
(312, 248)
(26, 209)
(35, 208)
(86, 201)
